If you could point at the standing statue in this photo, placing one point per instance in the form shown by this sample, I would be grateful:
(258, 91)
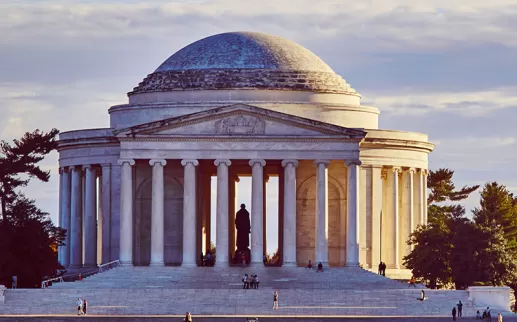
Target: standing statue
(242, 223)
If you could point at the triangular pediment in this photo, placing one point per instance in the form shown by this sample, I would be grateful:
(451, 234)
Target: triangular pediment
(240, 120)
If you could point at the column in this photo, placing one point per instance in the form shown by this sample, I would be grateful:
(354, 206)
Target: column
(418, 201)
(66, 215)
(126, 212)
(105, 195)
(281, 188)
(60, 223)
(321, 212)
(264, 215)
(392, 219)
(189, 213)
(232, 187)
(207, 209)
(221, 235)
(157, 222)
(90, 217)
(424, 178)
(257, 209)
(353, 233)
(289, 249)
(99, 217)
(376, 209)
(406, 222)
(76, 220)
(363, 216)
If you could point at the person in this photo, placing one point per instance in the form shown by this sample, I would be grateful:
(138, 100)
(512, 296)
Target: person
(85, 305)
(309, 266)
(412, 282)
(460, 309)
(380, 268)
(79, 306)
(257, 282)
(15, 281)
(488, 314)
(275, 300)
(244, 281)
(478, 315)
(202, 259)
(188, 317)
(320, 267)
(454, 313)
(264, 260)
(383, 269)
(499, 317)
(422, 296)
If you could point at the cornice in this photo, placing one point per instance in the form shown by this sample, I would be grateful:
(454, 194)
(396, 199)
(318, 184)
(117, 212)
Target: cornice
(238, 139)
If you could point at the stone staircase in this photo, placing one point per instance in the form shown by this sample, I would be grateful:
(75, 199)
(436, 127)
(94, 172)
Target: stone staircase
(215, 291)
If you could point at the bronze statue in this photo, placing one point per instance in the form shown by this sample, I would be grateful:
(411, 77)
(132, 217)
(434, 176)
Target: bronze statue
(242, 223)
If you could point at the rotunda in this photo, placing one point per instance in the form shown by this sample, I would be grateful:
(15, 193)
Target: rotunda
(241, 104)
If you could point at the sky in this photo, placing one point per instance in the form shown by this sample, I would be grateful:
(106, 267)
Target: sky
(445, 68)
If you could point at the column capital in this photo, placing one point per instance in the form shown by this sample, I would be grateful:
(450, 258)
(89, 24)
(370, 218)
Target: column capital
(424, 171)
(411, 170)
(252, 162)
(154, 162)
(322, 161)
(288, 161)
(71, 168)
(131, 162)
(396, 169)
(227, 162)
(89, 167)
(194, 162)
(349, 163)
(105, 165)
(63, 170)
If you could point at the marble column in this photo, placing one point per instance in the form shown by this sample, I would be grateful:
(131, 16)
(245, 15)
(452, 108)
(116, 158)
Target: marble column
(376, 209)
(418, 201)
(280, 231)
(321, 254)
(157, 221)
(257, 209)
(65, 203)
(105, 195)
(221, 235)
(392, 219)
(60, 223)
(189, 213)
(264, 215)
(289, 249)
(126, 212)
(363, 216)
(407, 216)
(424, 175)
(76, 220)
(99, 217)
(90, 218)
(352, 251)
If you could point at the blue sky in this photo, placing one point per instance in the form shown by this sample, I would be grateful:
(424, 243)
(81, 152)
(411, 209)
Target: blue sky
(445, 68)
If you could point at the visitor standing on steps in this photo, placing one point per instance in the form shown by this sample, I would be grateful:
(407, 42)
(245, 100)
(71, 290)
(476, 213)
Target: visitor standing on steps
(412, 282)
(499, 317)
(85, 304)
(275, 300)
(188, 317)
(454, 313)
(79, 306)
(460, 308)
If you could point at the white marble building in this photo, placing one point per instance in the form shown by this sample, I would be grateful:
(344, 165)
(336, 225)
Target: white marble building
(241, 104)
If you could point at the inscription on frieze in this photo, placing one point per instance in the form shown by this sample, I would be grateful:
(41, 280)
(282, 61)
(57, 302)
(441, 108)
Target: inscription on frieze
(240, 125)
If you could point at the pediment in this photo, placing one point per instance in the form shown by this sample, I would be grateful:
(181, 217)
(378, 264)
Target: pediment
(238, 121)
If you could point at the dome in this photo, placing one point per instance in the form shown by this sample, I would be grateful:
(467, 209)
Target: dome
(244, 50)
(244, 61)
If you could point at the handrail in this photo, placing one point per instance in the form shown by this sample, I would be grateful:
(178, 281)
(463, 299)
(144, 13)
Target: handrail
(98, 269)
(117, 262)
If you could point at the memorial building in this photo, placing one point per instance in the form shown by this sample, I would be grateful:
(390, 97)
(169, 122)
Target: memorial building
(241, 104)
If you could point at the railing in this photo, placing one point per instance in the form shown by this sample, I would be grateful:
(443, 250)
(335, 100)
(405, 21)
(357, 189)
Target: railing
(75, 276)
(108, 266)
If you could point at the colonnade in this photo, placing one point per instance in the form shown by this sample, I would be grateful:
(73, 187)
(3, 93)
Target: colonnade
(384, 205)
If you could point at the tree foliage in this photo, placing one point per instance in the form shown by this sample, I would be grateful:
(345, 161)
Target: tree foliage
(22, 157)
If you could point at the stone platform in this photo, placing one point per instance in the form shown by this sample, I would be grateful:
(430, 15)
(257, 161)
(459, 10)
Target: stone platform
(215, 291)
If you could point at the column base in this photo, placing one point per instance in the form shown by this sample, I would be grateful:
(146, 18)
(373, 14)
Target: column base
(126, 264)
(352, 265)
(157, 264)
(188, 264)
(221, 264)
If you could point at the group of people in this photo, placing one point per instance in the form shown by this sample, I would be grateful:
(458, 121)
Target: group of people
(382, 268)
(320, 266)
(459, 312)
(208, 259)
(250, 281)
(488, 315)
(82, 305)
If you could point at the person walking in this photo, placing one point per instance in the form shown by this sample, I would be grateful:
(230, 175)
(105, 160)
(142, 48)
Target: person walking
(499, 317)
(460, 308)
(188, 317)
(85, 305)
(412, 282)
(79, 306)
(454, 313)
(275, 300)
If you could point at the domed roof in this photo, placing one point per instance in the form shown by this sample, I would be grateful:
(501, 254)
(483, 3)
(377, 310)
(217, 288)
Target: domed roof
(244, 50)
(244, 61)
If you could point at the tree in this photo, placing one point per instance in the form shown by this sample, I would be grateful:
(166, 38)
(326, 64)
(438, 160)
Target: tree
(22, 157)
(28, 244)
(432, 243)
(498, 207)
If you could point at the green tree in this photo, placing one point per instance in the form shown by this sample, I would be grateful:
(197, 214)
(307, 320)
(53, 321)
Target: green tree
(28, 244)
(432, 243)
(22, 157)
(498, 207)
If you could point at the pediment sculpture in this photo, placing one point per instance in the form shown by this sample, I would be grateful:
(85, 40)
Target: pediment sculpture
(240, 124)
